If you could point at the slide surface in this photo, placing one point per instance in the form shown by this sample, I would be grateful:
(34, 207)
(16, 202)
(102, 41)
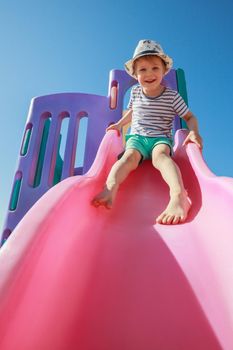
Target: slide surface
(78, 277)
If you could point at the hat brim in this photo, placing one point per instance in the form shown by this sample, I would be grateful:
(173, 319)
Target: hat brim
(166, 59)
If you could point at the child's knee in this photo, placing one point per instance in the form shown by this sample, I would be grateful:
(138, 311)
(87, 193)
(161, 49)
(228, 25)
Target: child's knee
(159, 157)
(131, 157)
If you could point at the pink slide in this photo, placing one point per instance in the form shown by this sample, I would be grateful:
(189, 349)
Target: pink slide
(77, 277)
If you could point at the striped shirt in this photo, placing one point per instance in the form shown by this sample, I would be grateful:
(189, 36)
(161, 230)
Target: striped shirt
(153, 116)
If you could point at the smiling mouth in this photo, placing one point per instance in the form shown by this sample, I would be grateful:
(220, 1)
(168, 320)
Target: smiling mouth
(150, 81)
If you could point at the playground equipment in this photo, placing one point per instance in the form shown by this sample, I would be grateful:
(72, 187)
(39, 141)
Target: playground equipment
(77, 277)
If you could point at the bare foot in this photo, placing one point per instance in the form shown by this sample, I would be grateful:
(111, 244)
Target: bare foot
(176, 211)
(106, 197)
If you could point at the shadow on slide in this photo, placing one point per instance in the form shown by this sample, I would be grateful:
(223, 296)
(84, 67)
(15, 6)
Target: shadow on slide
(78, 277)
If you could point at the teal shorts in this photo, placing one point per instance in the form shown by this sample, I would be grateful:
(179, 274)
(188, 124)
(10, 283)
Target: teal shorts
(145, 145)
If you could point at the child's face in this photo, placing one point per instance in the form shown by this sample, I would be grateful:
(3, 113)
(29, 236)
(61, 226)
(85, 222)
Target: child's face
(149, 72)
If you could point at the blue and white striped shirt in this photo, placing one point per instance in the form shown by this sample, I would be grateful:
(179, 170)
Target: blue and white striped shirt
(153, 116)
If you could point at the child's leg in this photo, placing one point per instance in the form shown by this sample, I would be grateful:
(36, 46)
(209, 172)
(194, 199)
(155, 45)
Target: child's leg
(179, 203)
(117, 175)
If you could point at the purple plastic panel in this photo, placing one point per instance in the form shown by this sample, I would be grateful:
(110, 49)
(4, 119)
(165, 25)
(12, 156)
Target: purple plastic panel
(55, 108)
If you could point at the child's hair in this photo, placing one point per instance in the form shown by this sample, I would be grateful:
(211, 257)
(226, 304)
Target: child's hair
(148, 58)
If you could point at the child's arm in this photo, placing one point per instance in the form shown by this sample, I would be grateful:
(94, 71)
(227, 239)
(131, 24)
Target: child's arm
(193, 135)
(126, 119)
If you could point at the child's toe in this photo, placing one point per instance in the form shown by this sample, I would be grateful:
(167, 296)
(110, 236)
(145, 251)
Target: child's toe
(168, 219)
(176, 220)
(108, 204)
(183, 218)
(94, 202)
(159, 219)
(165, 219)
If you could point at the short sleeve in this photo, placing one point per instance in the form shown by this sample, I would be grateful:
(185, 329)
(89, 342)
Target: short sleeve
(179, 106)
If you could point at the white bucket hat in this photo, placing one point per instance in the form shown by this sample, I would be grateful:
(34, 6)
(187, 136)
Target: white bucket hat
(145, 48)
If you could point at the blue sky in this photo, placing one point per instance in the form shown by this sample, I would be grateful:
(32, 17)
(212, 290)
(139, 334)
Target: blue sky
(70, 46)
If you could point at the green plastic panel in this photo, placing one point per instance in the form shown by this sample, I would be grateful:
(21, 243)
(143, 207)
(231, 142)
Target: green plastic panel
(181, 85)
(15, 194)
(40, 161)
(26, 140)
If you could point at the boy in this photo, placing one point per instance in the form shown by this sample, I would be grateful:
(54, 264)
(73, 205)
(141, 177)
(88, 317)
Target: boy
(152, 108)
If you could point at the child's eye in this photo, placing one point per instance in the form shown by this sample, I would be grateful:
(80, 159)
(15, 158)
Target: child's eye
(142, 69)
(155, 68)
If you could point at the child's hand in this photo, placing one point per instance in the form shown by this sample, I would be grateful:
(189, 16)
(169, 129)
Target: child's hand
(114, 127)
(195, 138)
